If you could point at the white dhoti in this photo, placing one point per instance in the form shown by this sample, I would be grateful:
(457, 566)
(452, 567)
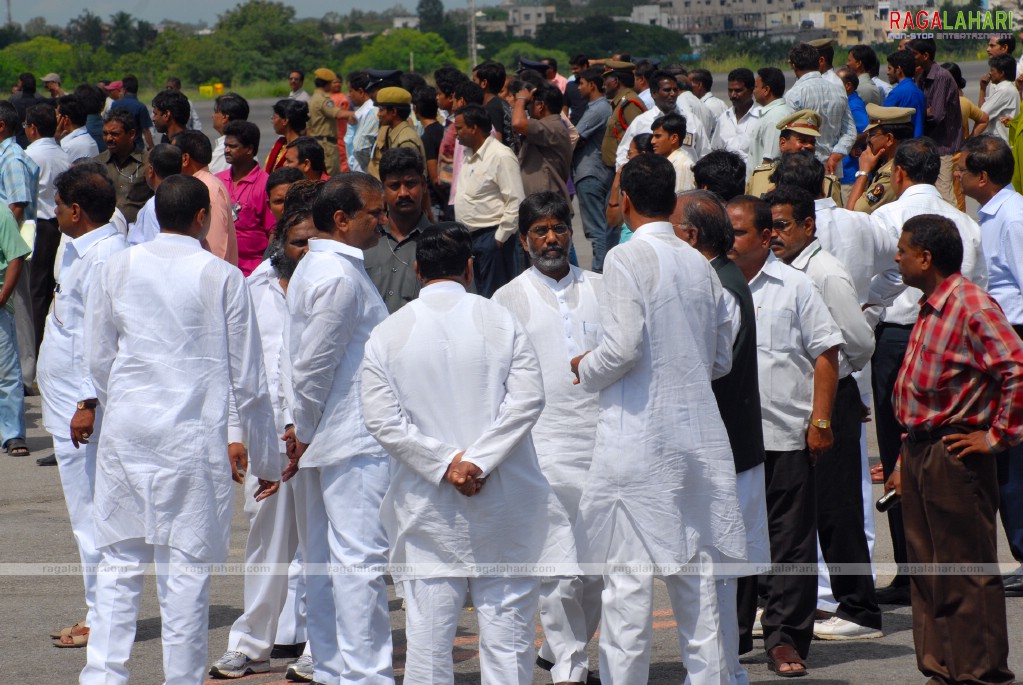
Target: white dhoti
(183, 589)
(273, 540)
(348, 624)
(504, 607)
(77, 467)
(569, 614)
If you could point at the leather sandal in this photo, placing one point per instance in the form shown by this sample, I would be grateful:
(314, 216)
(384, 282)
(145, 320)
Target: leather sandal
(75, 640)
(56, 635)
(785, 654)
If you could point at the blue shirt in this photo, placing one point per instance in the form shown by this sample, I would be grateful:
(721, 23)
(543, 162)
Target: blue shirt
(19, 178)
(130, 102)
(858, 108)
(1001, 235)
(908, 94)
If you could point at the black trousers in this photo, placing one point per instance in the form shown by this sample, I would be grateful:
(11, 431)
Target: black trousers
(890, 346)
(493, 266)
(840, 528)
(40, 277)
(792, 527)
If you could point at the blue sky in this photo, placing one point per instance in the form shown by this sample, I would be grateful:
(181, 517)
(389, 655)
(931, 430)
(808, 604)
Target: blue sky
(59, 12)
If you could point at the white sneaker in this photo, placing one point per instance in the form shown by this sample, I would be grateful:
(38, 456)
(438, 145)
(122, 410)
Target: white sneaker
(836, 628)
(758, 628)
(301, 671)
(236, 665)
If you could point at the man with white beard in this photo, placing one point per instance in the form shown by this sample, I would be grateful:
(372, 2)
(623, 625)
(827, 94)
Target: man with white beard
(556, 304)
(451, 387)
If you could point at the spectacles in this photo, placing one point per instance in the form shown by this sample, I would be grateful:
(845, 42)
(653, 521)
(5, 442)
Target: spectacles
(542, 231)
(782, 226)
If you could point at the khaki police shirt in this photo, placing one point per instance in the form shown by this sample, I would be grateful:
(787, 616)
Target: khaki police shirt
(760, 185)
(323, 115)
(879, 191)
(623, 107)
(402, 135)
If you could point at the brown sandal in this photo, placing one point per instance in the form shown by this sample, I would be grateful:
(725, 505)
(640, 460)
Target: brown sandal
(69, 630)
(785, 654)
(76, 640)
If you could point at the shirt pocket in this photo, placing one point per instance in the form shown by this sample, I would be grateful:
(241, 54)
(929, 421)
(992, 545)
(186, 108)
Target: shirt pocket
(592, 332)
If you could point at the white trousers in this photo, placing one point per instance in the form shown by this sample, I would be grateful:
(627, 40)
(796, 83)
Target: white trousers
(348, 622)
(627, 625)
(728, 606)
(77, 469)
(569, 614)
(184, 596)
(273, 540)
(504, 607)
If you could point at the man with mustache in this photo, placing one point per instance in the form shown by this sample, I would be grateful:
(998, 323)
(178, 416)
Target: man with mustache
(389, 264)
(556, 304)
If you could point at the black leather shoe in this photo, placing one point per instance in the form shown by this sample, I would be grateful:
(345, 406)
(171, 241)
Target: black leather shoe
(287, 651)
(47, 461)
(894, 594)
(1013, 585)
(544, 664)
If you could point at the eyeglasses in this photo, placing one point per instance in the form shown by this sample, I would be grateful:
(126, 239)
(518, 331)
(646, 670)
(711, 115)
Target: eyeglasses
(542, 231)
(782, 226)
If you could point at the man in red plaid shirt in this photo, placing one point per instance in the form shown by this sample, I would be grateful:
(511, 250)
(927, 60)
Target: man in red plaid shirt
(959, 396)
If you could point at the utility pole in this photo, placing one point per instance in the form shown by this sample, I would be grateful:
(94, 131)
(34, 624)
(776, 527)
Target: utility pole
(10, 20)
(472, 32)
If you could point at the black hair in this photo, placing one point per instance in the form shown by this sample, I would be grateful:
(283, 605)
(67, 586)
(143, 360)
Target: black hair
(282, 266)
(704, 211)
(924, 46)
(703, 77)
(342, 193)
(443, 250)
(301, 74)
(44, 117)
(9, 116)
(400, 161)
(178, 199)
(493, 73)
(828, 53)
(550, 62)
(28, 83)
(469, 92)
(90, 189)
(950, 67)
(93, 98)
(773, 79)
(301, 195)
(594, 76)
(195, 144)
(402, 111)
(533, 78)
(990, 154)
(412, 82)
(307, 148)
(849, 77)
(866, 55)
(919, 158)
(657, 76)
(286, 175)
(903, 59)
(939, 236)
(644, 143)
(649, 181)
(130, 83)
(174, 102)
(294, 112)
(165, 160)
(1005, 64)
(722, 172)
(625, 77)
(645, 69)
(673, 123)
(760, 210)
(551, 97)
(175, 80)
(358, 80)
(743, 76)
(447, 78)
(541, 205)
(800, 199)
(580, 60)
(476, 116)
(122, 115)
(425, 101)
(1008, 42)
(233, 106)
(801, 169)
(804, 57)
(245, 132)
(72, 107)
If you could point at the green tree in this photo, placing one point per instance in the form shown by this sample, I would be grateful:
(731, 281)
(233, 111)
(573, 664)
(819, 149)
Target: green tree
(121, 36)
(86, 28)
(391, 51)
(431, 15)
(11, 33)
(38, 26)
(513, 52)
(40, 55)
(600, 36)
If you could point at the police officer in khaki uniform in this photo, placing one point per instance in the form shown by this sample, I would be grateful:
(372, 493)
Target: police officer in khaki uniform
(799, 131)
(619, 79)
(323, 116)
(888, 127)
(394, 105)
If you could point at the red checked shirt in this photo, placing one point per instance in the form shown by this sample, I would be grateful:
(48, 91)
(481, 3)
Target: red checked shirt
(964, 365)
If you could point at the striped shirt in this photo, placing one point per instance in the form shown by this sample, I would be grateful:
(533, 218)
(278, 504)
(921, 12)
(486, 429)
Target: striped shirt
(838, 131)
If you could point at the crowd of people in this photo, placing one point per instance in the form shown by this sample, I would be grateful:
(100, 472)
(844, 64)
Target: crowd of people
(379, 329)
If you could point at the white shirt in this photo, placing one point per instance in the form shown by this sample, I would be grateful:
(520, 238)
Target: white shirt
(218, 163)
(1001, 228)
(903, 303)
(856, 241)
(836, 287)
(332, 308)
(697, 141)
(63, 372)
(691, 107)
(715, 104)
(449, 372)
(490, 189)
(884, 86)
(52, 162)
(832, 77)
(734, 134)
(146, 226)
(271, 312)
(562, 320)
(683, 163)
(78, 144)
(794, 327)
(662, 482)
(301, 95)
(764, 138)
(646, 98)
(171, 336)
(193, 118)
(1002, 101)
(838, 130)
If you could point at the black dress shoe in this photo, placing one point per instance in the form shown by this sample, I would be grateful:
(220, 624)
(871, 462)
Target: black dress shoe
(287, 651)
(894, 594)
(1013, 585)
(47, 461)
(593, 678)
(544, 664)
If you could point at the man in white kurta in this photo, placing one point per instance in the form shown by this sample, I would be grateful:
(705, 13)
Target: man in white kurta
(342, 471)
(84, 202)
(170, 336)
(556, 304)
(451, 387)
(661, 490)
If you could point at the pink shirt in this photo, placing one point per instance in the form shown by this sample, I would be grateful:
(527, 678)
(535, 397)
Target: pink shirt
(253, 222)
(221, 239)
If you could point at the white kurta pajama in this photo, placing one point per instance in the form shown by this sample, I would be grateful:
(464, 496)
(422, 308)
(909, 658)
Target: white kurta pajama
(451, 372)
(562, 320)
(64, 379)
(271, 605)
(170, 336)
(332, 308)
(661, 489)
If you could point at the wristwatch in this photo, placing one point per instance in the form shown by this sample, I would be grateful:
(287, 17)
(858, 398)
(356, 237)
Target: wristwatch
(823, 424)
(87, 404)
(862, 173)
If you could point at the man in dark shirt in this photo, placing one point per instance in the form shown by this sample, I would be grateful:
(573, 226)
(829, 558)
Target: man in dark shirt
(129, 100)
(944, 121)
(491, 76)
(575, 101)
(28, 98)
